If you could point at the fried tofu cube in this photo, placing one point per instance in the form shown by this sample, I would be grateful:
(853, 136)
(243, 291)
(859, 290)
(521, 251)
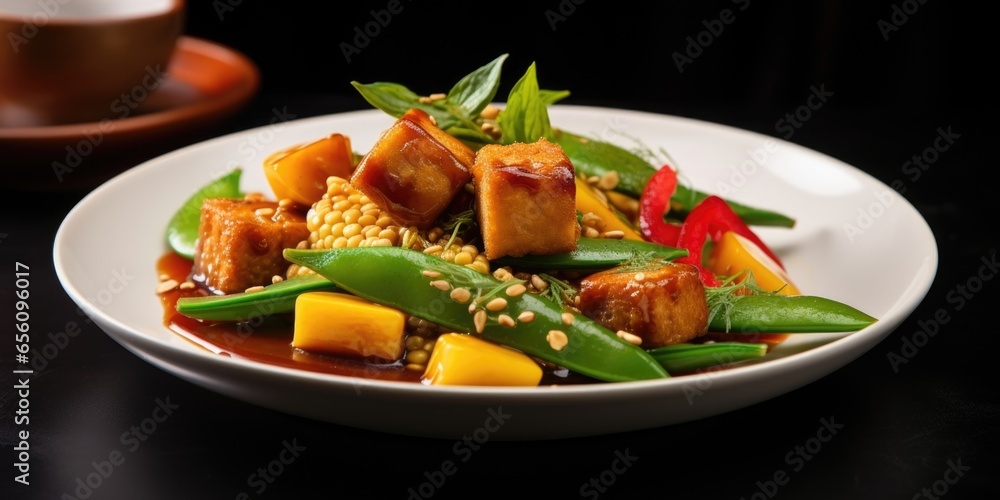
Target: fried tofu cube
(240, 243)
(662, 304)
(414, 170)
(525, 199)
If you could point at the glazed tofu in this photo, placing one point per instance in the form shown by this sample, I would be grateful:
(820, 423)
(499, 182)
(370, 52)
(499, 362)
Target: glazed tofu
(414, 170)
(240, 243)
(663, 305)
(525, 199)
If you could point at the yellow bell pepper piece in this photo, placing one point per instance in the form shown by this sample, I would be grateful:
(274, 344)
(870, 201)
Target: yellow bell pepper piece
(339, 323)
(461, 359)
(735, 254)
(300, 172)
(588, 201)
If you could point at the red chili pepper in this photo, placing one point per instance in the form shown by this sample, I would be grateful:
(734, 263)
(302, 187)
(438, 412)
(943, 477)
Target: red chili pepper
(653, 203)
(711, 218)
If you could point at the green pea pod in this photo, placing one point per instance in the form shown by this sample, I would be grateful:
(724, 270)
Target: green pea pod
(593, 157)
(409, 280)
(685, 199)
(182, 230)
(595, 253)
(787, 314)
(691, 357)
(274, 299)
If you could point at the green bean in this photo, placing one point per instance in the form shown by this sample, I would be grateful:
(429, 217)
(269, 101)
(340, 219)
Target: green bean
(786, 314)
(274, 299)
(595, 254)
(441, 292)
(182, 230)
(595, 158)
(691, 357)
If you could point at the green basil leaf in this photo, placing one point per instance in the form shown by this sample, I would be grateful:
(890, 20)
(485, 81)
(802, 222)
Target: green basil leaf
(182, 230)
(396, 100)
(474, 91)
(525, 117)
(550, 97)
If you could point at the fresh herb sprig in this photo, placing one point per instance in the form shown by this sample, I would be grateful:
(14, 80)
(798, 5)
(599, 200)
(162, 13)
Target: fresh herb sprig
(722, 299)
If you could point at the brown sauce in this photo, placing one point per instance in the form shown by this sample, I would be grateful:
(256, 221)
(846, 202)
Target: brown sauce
(270, 340)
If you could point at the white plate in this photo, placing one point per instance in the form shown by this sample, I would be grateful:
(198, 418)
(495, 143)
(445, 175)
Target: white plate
(106, 250)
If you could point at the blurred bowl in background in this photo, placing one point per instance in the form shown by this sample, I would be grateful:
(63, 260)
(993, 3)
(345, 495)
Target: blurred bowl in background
(205, 85)
(71, 62)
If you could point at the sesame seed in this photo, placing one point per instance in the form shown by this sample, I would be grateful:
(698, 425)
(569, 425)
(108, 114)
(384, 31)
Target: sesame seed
(424, 99)
(277, 279)
(433, 249)
(254, 289)
(616, 234)
(538, 283)
(490, 112)
(516, 290)
(187, 285)
(461, 295)
(526, 317)
(285, 203)
(557, 339)
(480, 320)
(590, 232)
(506, 320)
(430, 274)
(608, 181)
(441, 285)
(640, 276)
(437, 96)
(472, 308)
(164, 277)
(497, 304)
(629, 337)
(567, 318)
(433, 120)
(166, 286)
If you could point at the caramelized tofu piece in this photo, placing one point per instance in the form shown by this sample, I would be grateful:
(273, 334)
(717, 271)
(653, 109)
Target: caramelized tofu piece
(414, 169)
(662, 305)
(525, 199)
(240, 243)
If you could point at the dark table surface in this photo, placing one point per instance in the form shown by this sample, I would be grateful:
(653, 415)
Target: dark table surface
(926, 428)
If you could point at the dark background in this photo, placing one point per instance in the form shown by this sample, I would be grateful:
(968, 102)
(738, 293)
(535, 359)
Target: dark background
(901, 430)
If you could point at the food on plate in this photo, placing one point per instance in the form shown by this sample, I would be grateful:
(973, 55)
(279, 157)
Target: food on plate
(474, 245)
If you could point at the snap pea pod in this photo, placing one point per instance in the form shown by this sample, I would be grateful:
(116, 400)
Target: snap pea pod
(433, 289)
(274, 299)
(691, 357)
(595, 253)
(787, 314)
(595, 158)
(182, 230)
